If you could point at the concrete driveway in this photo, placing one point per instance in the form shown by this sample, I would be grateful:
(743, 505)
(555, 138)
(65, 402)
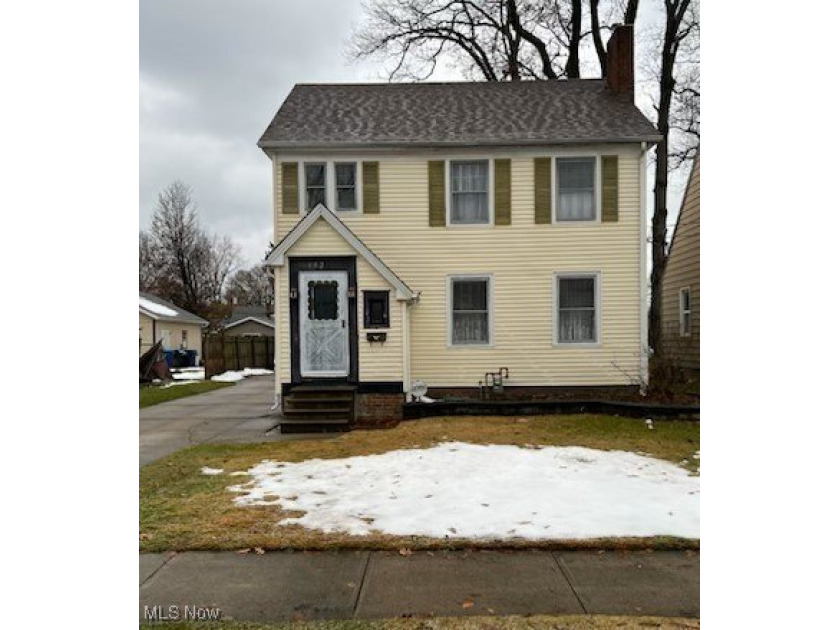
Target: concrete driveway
(234, 414)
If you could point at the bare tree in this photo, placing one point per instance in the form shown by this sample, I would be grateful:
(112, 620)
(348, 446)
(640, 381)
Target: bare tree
(254, 287)
(681, 24)
(597, 41)
(150, 263)
(631, 11)
(497, 39)
(176, 231)
(178, 260)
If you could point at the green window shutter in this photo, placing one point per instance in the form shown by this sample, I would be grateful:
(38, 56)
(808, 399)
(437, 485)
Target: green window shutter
(290, 187)
(370, 187)
(609, 188)
(437, 193)
(542, 190)
(501, 193)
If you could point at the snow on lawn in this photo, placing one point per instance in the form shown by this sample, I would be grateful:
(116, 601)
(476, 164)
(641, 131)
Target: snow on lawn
(154, 307)
(474, 491)
(174, 383)
(189, 374)
(232, 376)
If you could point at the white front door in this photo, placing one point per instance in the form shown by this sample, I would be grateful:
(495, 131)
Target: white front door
(324, 327)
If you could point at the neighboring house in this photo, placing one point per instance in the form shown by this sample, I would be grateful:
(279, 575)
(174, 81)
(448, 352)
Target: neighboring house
(250, 321)
(162, 320)
(680, 314)
(440, 231)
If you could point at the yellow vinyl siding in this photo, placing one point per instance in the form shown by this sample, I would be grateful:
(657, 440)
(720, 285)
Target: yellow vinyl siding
(522, 259)
(377, 361)
(683, 271)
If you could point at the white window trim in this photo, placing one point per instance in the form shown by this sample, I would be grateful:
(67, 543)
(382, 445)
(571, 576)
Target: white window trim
(555, 303)
(469, 276)
(331, 197)
(554, 191)
(491, 187)
(682, 311)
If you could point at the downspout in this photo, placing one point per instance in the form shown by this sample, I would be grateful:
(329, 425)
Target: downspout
(643, 282)
(278, 387)
(406, 339)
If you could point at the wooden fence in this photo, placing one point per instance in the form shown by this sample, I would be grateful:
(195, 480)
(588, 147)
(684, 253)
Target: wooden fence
(222, 353)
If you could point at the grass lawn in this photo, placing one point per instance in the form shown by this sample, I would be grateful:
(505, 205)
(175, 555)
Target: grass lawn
(536, 622)
(182, 509)
(153, 394)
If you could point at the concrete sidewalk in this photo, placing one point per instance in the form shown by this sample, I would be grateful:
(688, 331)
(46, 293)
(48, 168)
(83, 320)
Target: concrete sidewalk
(280, 586)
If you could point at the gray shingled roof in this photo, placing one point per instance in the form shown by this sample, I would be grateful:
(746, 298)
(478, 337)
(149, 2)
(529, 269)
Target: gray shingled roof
(258, 313)
(161, 310)
(455, 114)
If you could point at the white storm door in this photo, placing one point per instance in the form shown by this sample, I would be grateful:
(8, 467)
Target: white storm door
(324, 327)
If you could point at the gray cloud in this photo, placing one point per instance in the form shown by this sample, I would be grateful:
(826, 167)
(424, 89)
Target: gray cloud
(212, 74)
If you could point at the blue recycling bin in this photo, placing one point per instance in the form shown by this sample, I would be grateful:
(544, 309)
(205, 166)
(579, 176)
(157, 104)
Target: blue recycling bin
(168, 356)
(192, 356)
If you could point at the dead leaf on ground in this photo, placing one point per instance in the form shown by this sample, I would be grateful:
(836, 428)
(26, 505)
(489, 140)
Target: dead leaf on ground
(248, 550)
(467, 603)
(405, 551)
(145, 536)
(259, 550)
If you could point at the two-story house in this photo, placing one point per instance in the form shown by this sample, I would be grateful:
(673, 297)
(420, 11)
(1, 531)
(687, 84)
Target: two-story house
(438, 231)
(680, 314)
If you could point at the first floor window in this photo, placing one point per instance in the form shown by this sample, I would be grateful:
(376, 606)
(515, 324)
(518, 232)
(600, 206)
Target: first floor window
(183, 339)
(376, 309)
(685, 312)
(577, 319)
(470, 300)
(316, 184)
(470, 184)
(345, 185)
(576, 189)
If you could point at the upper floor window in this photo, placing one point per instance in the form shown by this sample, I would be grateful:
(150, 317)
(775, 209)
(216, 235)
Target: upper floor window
(469, 182)
(685, 312)
(577, 309)
(470, 310)
(576, 189)
(316, 184)
(345, 186)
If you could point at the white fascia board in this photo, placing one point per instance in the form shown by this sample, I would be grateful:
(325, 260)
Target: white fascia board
(277, 257)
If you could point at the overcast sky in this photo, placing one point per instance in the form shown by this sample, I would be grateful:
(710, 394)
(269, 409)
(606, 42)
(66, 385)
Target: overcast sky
(212, 75)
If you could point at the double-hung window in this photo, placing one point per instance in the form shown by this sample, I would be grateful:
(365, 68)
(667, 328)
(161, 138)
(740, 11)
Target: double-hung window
(576, 189)
(685, 312)
(577, 309)
(469, 183)
(315, 175)
(345, 186)
(470, 316)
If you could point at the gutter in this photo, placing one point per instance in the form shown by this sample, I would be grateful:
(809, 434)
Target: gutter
(409, 144)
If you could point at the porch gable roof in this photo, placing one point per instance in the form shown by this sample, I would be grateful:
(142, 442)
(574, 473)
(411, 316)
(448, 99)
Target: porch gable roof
(277, 256)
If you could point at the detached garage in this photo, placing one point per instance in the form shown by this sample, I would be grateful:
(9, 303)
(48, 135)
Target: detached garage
(161, 320)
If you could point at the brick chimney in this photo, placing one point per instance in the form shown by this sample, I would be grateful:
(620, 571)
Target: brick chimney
(620, 61)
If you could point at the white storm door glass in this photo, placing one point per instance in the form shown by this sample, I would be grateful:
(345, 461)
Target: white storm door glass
(324, 328)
